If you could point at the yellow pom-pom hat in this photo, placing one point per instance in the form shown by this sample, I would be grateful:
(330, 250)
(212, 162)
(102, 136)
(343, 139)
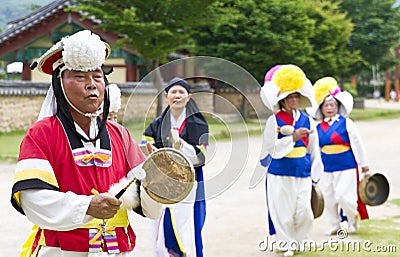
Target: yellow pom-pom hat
(285, 80)
(327, 88)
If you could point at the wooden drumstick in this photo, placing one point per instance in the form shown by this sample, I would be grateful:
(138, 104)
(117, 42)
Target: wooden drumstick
(139, 174)
(120, 193)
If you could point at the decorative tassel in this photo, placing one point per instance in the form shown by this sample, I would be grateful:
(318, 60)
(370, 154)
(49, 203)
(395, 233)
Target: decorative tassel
(94, 241)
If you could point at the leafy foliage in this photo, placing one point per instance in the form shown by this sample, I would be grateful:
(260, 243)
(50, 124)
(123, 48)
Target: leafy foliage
(154, 28)
(257, 34)
(330, 55)
(376, 30)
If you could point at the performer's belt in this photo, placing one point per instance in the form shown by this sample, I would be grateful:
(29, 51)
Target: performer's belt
(119, 220)
(297, 152)
(105, 231)
(335, 149)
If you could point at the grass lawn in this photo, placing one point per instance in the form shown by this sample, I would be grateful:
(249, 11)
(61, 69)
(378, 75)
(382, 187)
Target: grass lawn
(9, 145)
(373, 114)
(219, 130)
(375, 237)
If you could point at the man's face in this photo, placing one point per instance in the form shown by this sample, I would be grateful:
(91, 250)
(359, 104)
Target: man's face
(85, 90)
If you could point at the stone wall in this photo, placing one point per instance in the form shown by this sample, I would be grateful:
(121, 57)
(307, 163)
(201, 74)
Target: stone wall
(20, 102)
(19, 112)
(230, 100)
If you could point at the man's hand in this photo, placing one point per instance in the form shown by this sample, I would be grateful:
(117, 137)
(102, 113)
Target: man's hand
(103, 206)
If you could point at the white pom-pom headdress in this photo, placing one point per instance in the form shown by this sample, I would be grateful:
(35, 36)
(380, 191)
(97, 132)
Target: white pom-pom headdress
(82, 51)
(283, 80)
(327, 87)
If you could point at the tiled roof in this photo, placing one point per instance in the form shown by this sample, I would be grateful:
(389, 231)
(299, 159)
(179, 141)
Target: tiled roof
(19, 25)
(19, 88)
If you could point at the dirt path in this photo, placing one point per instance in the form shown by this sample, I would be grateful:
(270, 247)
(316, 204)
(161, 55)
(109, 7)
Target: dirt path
(235, 221)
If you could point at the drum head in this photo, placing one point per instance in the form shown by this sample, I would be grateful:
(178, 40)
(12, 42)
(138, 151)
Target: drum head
(374, 189)
(317, 201)
(169, 176)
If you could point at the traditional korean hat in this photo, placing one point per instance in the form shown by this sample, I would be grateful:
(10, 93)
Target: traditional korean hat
(82, 51)
(327, 88)
(283, 80)
(177, 81)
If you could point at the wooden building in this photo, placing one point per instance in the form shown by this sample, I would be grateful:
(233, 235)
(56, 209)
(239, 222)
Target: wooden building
(28, 37)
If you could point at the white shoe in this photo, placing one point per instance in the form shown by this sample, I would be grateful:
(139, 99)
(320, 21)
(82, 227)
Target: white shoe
(332, 231)
(352, 227)
(288, 253)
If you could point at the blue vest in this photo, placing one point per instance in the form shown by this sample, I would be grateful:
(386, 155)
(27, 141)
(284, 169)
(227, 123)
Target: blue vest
(335, 146)
(300, 165)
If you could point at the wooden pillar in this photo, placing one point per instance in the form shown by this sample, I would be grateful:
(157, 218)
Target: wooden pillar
(388, 82)
(396, 76)
(26, 71)
(353, 81)
(131, 71)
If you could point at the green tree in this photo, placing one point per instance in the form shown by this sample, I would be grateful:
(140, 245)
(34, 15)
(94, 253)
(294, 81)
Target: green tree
(153, 28)
(330, 55)
(376, 30)
(257, 34)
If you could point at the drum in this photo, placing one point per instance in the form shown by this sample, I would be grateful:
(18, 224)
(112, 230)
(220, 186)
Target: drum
(317, 201)
(374, 189)
(166, 175)
(169, 175)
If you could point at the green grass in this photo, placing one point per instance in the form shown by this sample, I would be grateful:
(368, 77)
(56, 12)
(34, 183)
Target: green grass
(219, 130)
(9, 145)
(373, 114)
(372, 233)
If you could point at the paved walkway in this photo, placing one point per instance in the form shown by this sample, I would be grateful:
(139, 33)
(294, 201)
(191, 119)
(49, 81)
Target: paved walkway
(236, 214)
(382, 103)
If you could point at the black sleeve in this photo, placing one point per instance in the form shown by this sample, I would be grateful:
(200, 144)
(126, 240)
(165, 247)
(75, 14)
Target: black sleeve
(139, 209)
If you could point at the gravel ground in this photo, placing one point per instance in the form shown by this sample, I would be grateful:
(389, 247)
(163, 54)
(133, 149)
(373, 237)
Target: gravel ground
(236, 213)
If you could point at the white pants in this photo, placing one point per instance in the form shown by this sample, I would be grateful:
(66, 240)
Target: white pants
(340, 190)
(289, 205)
(46, 251)
(183, 220)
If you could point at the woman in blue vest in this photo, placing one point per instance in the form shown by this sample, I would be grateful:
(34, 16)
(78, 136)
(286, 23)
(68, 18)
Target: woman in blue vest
(182, 126)
(339, 139)
(292, 143)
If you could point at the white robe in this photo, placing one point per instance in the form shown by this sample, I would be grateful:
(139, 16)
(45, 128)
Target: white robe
(182, 211)
(289, 198)
(340, 188)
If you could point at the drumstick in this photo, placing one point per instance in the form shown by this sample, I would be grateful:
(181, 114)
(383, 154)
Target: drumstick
(120, 193)
(138, 173)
